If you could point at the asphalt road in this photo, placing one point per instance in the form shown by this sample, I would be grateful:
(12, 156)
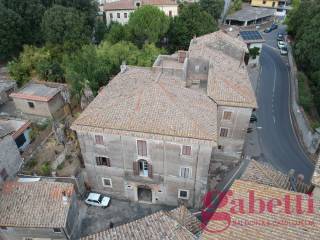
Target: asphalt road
(278, 142)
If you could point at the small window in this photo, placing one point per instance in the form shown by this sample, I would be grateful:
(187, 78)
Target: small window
(118, 15)
(183, 194)
(3, 174)
(227, 115)
(111, 16)
(186, 150)
(57, 230)
(103, 161)
(99, 139)
(185, 172)
(125, 15)
(142, 147)
(224, 132)
(31, 104)
(107, 182)
(264, 1)
(137, 4)
(197, 68)
(170, 13)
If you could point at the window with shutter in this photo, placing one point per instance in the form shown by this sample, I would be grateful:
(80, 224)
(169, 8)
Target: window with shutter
(150, 171)
(227, 115)
(103, 161)
(224, 132)
(186, 150)
(142, 147)
(135, 168)
(185, 172)
(99, 139)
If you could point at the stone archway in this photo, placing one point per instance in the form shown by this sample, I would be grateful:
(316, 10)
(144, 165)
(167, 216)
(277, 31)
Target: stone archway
(144, 194)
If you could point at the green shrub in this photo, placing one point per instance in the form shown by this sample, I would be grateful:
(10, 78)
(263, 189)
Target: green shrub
(305, 96)
(31, 163)
(60, 166)
(45, 169)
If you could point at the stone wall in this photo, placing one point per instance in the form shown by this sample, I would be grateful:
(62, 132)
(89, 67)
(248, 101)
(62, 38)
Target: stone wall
(307, 136)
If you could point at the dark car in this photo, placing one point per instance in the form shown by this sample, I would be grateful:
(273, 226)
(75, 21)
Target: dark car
(253, 118)
(267, 30)
(273, 26)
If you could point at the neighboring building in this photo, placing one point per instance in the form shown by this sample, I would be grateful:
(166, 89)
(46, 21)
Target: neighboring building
(6, 88)
(285, 215)
(38, 210)
(40, 100)
(253, 39)
(10, 159)
(19, 130)
(172, 225)
(265, 3)
(250, 16)
(119, 11)
(156, 131)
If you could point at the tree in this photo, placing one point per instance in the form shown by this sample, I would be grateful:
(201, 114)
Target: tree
(192, 21)
(31, 11)
(85, 69)
(117, 33)
(236, 5)
(213, 7)
(10, 28)
(65, 26)
(100, 31)
(147, 24)
(148, 55)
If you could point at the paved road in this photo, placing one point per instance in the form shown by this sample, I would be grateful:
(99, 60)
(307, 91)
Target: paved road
(277, 140)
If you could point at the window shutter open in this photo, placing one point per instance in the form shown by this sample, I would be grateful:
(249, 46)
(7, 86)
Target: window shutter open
(150, 171)
(135, 168)
(108, 162)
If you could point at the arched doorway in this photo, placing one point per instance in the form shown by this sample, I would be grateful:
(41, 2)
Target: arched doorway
(144, 194)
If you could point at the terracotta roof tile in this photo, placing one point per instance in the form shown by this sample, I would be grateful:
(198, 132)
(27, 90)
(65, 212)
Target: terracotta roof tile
(266, 225)
(37, 204)
(139, 101)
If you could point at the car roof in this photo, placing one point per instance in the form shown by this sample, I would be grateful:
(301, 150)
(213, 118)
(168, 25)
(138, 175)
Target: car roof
(94, 196)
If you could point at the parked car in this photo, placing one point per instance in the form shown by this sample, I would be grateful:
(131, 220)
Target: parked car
(284, 51)
(253, 118)
(281, 44)
(280, 37)
(267, 30)
(273, 26)
(98, 200)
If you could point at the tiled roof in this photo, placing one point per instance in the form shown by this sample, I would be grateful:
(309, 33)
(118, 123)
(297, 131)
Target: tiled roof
(129, 4)
(316, 174)
(142, 103)
(265, 174)
(228, 80)
(37, 204)
(266, 225)
(158, 226)
(36, 92)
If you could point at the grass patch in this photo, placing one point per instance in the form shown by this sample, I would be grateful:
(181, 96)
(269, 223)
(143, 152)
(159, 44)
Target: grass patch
(45, 169)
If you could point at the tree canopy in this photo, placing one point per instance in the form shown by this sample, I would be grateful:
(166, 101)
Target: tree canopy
(66, 26)
(213, 7)
(192, 21)
(147, 24)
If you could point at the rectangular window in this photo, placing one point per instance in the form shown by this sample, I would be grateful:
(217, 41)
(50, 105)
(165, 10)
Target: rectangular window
(185, 172)
(103, 161)
(107, 182)
(118, 15)
(99, 139)
(224, 132)
(227, 115)
(31, 104)
(125, 15)
(111, 16)
(142, 147)
(170, 13)
(183, 194)
(186, 150)
(3, 174)
(57, 230)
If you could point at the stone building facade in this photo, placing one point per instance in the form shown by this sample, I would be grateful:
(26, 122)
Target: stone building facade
(153, 133)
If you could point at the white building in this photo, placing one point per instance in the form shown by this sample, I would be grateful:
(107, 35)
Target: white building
(119, 11)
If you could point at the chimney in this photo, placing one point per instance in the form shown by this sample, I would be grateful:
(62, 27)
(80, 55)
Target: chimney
(64, 198)
(123, 67)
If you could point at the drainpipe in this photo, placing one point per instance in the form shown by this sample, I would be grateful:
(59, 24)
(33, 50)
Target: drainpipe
(195, 177)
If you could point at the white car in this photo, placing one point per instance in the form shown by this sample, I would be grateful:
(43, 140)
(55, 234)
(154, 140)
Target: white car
(98, 200)
(281, 44)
